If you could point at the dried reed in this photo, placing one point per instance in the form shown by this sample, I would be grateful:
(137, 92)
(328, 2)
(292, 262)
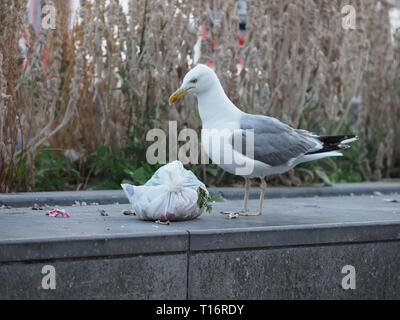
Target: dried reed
(110, 77)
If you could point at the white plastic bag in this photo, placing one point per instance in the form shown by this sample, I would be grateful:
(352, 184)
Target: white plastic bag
(171, 194)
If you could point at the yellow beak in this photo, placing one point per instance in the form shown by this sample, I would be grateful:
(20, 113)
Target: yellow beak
(178, 94)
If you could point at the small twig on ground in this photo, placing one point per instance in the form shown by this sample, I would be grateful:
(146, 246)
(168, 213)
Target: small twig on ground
(103, 212)
(163, 222)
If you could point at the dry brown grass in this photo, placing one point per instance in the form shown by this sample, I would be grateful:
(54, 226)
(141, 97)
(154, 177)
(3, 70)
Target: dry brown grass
(299, 65)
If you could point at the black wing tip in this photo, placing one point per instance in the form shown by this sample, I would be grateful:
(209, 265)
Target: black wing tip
(337, 139)
(334, 143)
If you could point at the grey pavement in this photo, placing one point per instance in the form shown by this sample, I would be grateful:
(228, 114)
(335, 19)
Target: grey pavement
(295, 250)
(232, 193)
(25, 224)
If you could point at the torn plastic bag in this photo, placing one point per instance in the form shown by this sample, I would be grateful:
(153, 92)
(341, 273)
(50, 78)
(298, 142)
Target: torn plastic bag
(171, 194)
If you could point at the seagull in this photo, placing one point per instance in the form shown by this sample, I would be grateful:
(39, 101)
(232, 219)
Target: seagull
(266, 147)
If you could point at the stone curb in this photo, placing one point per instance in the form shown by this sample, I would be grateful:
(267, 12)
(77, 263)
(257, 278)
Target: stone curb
(67, 198)
(196, 240)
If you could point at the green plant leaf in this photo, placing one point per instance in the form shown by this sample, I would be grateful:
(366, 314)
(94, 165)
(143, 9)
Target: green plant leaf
(323, 176)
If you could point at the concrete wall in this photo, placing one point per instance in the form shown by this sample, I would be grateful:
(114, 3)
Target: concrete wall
(139, 277)
(297, 273)
(263, 263)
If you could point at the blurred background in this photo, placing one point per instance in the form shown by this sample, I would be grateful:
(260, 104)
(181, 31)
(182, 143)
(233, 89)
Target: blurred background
(77, 100)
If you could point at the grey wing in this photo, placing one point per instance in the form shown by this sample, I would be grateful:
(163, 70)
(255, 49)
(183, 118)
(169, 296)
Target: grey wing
(275, 143)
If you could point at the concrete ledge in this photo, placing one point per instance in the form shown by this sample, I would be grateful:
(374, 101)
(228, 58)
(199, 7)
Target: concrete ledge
(292, 236)
(115, 277)
(295, 250)
(309, 272)
(337, 189)
(195, 240)
(63, 198)
(93, 246)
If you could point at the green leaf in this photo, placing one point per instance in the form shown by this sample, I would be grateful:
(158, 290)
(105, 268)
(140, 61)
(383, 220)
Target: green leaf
(141, 175)
(163, 24)
(204, 199)
(323, 176)
(213, 170)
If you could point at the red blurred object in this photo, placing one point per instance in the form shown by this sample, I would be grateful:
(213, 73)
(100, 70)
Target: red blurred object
(58, 213)
(34, 17)
(242, 36)
(203, 31)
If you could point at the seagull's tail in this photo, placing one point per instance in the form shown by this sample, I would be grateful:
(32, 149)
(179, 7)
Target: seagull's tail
(334, 143)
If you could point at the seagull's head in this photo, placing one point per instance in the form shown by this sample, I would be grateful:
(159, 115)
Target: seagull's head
(198, 80)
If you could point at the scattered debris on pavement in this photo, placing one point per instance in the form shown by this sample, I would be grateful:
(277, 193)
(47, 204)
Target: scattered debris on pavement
(36, 207)
(48, 208)
(58, 213)
(76, 203)
(81, 204)
(128, 212)
(103, 212)
(391, 200)
(163, 222)
(232, 215)
(45, 207)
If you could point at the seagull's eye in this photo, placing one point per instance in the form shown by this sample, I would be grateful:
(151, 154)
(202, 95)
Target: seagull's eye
(193, 81)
